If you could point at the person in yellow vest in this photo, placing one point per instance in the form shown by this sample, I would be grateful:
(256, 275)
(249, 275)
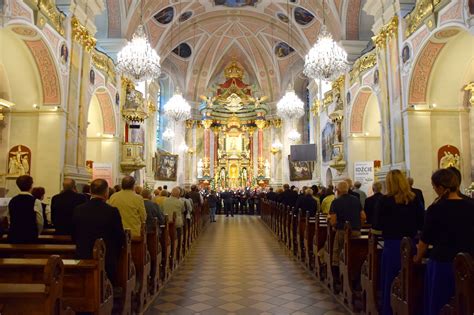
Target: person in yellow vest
(130, 205)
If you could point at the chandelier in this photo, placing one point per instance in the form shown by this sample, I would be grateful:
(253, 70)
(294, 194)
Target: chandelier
(138, 59)
(326, 60)
(168, 134)
(290, 106)
(294, 135)
(177, 108)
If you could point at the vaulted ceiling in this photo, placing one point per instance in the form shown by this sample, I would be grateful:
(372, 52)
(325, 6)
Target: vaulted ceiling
(257, 35)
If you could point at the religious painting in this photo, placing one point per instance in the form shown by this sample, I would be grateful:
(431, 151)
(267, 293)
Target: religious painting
(449, 155)
(236, 3)
(300, 170)
(185, 16)
(283, 17)
(233, 144)
(283, 49)
(166, 166)
(327, 141)
(406, 53)
(183, 50)
(117, 99)
(19, 161)
(376, 77)
(165, 16)
(348, 98)
(64, 54)
(92, 77)
(303, 16)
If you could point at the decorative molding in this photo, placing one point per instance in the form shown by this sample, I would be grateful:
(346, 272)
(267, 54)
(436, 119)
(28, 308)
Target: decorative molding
(386, 32)
(46, 11)
(108, 116)
(82, 35)
(358, 109)
(104, 63)
(362, 64)
(421, 13)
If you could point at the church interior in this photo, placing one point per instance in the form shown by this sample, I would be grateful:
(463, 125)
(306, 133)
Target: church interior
(236, 101)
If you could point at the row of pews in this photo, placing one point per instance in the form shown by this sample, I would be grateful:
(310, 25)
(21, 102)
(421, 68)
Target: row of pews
(311, 239)
(44, 278)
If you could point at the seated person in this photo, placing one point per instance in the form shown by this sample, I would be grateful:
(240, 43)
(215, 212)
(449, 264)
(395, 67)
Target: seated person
(25, 214)
(96, 219)
(62, 206)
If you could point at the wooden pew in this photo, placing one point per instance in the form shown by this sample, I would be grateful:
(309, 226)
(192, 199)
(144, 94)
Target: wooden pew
(294, 232)
(86, 287)
(463, 300)
(173, 243)
(320, 233)
(165, 251)
(301, 226)
(354, 254)
(310, 223)
(44, 295)
(154, 248)
(327, 264)
(288, 227)
(407, 287)
(142, 261)
(370, 276)
(46, 239)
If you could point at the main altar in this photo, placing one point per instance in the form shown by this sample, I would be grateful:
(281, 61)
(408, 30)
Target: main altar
(236, 119)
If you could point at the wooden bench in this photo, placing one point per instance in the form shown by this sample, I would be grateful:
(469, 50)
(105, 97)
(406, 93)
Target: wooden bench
(327, 263)
(370, 276)
(165, 251)
(294, 232)
(354, 254)
(320, 233)
(86, 287)
(288, 227)
(141, 259)
(301, 226)
(125, 278)
(407, 287)
(154, 248)
(310, 223)
(46, 239)
(463, 300)
(44, 294)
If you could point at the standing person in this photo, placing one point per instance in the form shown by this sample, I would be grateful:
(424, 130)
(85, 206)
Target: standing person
(63, 204)
(86, 191)
(130, 205)
(371, 202)
(417, 192)
(315, 190)
(38, 193)
(24, 213)
(96, 219)
(288, 196)
(351, 192)
(212, 203)
(362, 194)
(448, 228)
(306, 203)
(271, 195)
(195, 196)
(458, 175)
(174, 206)
(344, 208)
(152, 210)
(161, 198)
(398, 214)
(328, 199)
(227, 197)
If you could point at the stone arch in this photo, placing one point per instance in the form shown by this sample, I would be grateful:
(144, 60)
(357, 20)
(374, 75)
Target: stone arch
(103, 98)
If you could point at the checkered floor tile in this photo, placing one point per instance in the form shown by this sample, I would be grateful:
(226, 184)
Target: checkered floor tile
(238, 267)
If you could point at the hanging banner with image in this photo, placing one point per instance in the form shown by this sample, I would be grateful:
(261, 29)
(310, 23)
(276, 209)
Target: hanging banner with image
(364, 173)
(103, 171)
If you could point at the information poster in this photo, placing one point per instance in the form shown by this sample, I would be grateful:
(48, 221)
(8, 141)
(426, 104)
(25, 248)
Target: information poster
(103, 171)
(364, 173)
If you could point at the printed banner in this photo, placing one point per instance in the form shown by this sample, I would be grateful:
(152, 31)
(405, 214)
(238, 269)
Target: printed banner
(364, 173)
(103, 171)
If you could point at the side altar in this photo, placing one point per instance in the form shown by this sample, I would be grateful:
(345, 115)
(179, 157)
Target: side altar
(236, 118)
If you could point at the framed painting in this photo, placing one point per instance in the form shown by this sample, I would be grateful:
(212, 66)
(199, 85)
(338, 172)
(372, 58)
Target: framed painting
(165, 166)
(327, 140)
(300, 170)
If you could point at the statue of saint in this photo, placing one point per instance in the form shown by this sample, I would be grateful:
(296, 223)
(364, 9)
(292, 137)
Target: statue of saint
(244, 175)
(267, 169)
(200, 165)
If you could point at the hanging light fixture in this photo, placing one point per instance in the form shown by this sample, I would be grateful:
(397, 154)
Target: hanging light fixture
(138, 60)
(326, 60)
(177, 108)
(294, 135)
(290, 105)
(168, 134)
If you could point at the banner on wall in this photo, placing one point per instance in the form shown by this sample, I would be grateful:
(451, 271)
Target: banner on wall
(364, 173)
(103, 171)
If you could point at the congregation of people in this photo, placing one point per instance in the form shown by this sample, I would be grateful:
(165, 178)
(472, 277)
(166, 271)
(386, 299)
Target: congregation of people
(394, 210)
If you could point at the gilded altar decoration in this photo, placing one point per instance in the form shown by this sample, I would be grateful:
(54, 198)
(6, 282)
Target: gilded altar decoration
(133, 111)
(82, 35)
(364, 63)
(104, 63)
(386, 32)
(19, 161)
(233, 114)
(470, 89)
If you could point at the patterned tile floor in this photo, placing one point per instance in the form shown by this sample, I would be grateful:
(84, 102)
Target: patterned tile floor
(238, 267)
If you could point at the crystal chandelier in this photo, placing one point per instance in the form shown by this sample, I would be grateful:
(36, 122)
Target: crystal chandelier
(138, 59)
(294, 135)
(168, 134)
(326, 60)
(177, 108)
(290, 106)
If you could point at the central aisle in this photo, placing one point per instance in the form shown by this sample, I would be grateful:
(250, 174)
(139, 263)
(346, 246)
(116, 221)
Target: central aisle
(238, 267)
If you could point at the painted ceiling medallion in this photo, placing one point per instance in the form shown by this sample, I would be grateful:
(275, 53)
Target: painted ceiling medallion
(303, 16)
(236, 3)
(165, 16)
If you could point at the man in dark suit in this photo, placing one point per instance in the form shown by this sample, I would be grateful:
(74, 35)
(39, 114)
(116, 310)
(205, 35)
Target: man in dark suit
(288, 196)
(371, 202)
(96, 219)
(62, 207)
(271, 195)
(417, 192)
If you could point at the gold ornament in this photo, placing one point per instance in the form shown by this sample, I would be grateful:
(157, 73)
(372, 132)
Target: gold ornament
(423, 9)
(82, 35)
(386, 32)
(104, 63)
(470, 87)
(363, 64)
